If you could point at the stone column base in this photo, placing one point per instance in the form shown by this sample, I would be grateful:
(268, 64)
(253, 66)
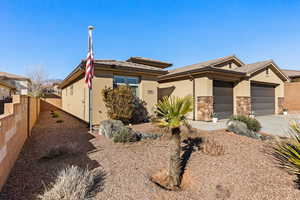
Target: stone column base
(204, 108)
(280, 105)
(243, 105)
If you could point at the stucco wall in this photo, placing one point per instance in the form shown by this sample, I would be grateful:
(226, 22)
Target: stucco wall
(227, 66)
(148, 92)
(241, 89)
(76, 103)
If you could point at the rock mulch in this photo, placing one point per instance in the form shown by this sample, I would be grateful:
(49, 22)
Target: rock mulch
(243, 172)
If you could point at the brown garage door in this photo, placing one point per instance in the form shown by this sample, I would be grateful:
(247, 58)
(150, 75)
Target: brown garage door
(223, 99)
(262, 99)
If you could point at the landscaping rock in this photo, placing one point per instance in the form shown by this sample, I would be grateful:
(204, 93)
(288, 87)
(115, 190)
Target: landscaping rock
(241, 128)
(109, 127)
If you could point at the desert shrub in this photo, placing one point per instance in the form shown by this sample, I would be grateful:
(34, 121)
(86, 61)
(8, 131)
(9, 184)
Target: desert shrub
(251, 123)
(119, 103)
(55, 115)
(212, 148)
(73, 183)
(123, 105)
(60, 150)
(287, 153)
(59, 121)
(125, 135)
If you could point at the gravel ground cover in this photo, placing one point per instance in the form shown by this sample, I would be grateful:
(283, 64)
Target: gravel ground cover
(243, 172)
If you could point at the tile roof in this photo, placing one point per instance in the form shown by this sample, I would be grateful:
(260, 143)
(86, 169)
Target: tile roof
(12, 76)
(250, 68)
(137, 59)
(291, 73)
(126, 64)
(200, 65)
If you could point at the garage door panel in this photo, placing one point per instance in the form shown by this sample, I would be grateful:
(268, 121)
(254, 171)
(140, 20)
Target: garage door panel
(262, 99)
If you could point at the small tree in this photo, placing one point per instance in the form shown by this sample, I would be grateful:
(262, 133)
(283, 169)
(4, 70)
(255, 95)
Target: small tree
(38, 77)
(172, 112)
(119, 103)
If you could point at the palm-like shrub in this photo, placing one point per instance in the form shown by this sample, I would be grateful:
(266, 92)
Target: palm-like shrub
(288, 153)
(172, 112)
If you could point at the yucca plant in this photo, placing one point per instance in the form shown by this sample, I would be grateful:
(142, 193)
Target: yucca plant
(288, 153)
(172, 113)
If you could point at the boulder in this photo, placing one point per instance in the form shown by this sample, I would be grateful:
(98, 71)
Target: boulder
(241, 128)
(109, 127)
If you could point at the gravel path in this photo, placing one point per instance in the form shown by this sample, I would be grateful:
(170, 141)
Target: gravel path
(244, 172)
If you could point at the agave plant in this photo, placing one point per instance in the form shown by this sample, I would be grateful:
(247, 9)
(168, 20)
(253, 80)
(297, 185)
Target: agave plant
(288, 153)
(172, 113)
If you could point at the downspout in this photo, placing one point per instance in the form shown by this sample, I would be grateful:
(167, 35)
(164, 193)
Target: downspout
(194, 98)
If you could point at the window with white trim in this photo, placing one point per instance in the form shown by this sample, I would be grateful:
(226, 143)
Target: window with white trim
(130, 81)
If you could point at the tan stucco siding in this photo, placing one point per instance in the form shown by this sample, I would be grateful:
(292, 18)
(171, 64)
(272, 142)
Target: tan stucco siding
(241, 89)
(227, 66)
(203, 87)
(76, 103)
(148, 92)
(274, 79)
(102, 79)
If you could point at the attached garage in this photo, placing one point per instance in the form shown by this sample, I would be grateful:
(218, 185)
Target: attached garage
(223, 99)
(262, 99)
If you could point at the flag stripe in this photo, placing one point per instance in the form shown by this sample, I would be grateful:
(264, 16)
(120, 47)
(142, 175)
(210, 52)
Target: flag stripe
(89, 67)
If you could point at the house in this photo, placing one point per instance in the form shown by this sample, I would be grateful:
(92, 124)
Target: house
(224, 86)
(6, 92)
(21, 83)
(141, 74)
(294, 75)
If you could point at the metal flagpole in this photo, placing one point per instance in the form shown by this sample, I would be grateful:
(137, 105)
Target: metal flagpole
(90, 48)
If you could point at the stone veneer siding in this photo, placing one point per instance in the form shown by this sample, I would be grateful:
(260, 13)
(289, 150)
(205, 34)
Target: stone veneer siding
(204, 108)
(243, 105)
(280, 105)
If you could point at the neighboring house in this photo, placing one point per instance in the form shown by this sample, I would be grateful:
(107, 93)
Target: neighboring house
(6, 92)
(139, 73)
(294, 75)
(224, 86)
(21, 83)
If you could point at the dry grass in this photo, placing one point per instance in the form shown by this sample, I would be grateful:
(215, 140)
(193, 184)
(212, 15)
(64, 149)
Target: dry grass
(60, 150)
(73, 183)
(213, 148)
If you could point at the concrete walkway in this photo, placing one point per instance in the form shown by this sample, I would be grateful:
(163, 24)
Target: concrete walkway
(272, 124)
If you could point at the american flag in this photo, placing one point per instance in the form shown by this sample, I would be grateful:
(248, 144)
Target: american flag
(89, 67)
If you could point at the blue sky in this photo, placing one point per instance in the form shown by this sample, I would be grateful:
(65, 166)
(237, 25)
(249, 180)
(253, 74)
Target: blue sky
(53, 33)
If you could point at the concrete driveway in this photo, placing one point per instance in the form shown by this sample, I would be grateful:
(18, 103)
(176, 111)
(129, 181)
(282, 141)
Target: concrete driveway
(277, 125)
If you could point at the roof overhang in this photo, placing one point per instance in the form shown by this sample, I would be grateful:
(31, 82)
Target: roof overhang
(203, 70)
(150, 62)
(7, 85)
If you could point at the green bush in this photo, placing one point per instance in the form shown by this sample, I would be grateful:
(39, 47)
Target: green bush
(124, 135)
(251, 123)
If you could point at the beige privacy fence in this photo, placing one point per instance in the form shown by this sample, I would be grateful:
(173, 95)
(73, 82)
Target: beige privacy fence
(15, 126)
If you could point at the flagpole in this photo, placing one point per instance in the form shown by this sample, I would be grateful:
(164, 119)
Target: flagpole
(90, 29)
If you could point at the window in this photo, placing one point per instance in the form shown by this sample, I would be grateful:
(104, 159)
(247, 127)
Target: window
(66, 91)
(230, 65)
(132, 82)
(71, 90)
(267, 71)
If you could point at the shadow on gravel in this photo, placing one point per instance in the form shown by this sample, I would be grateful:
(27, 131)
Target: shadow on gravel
(29, 175)
(190, 145)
